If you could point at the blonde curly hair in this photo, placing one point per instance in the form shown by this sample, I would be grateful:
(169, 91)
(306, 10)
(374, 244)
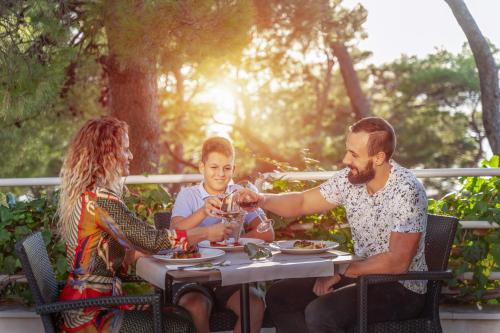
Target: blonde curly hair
(93, 159)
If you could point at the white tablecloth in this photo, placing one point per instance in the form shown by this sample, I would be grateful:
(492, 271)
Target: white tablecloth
(243, 270)
(280, 266)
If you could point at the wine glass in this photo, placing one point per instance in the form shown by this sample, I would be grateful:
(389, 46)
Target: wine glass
(265, 223)
(232, 214)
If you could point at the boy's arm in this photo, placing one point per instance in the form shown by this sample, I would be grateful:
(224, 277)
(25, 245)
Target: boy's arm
(210, 208)
(191, 221)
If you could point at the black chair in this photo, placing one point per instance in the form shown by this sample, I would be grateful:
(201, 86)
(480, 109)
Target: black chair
(45, 288)
(440, 233)
(162, 220)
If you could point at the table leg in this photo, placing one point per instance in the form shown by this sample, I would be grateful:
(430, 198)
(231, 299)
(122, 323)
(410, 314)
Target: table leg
(245, 308)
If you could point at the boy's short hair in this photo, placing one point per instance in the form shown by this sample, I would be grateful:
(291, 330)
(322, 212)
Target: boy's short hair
(216, 144)
(382, 136)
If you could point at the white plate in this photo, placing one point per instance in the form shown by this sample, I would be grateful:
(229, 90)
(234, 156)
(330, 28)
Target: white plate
(286, 246)
(206, 255)
(243, 241)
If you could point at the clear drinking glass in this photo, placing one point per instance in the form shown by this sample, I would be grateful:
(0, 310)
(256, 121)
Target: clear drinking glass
(232, 214)
(265, 223)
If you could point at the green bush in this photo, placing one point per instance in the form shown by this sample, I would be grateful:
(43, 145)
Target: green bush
(476, 251)
(18, 219)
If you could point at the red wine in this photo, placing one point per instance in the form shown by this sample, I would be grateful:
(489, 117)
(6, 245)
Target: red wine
(248, 204)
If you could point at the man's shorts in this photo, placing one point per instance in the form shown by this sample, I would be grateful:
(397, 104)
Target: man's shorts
(217, 295)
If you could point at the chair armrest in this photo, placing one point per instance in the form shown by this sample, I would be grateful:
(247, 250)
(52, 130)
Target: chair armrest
(424, 275)
(132, 279)
(107, 301)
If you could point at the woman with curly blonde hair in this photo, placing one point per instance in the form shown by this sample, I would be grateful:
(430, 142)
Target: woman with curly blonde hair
(99, 229)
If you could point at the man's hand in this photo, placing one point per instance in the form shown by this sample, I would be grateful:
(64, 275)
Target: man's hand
(249, 200)
(324, 285)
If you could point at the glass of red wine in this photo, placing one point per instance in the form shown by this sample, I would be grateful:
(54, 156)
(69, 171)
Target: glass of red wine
(265, 223)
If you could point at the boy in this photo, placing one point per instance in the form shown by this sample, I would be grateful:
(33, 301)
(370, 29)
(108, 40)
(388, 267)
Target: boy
(194, 207)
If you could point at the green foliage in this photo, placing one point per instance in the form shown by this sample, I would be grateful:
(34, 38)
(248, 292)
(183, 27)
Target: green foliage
(19, 219)
(413, 93)
(146, 200)
(476, 251)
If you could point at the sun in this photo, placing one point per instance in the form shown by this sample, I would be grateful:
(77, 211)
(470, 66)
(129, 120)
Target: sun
(223, 97)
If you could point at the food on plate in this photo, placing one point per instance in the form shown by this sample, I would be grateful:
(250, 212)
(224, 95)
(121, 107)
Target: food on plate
(217, 244)
(305, 244)
(188, 254)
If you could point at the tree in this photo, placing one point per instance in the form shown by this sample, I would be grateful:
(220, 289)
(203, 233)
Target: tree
(488, 72)
(431, 102)
(132, 40)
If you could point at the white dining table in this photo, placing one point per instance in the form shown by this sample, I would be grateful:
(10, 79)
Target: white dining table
(243, 271)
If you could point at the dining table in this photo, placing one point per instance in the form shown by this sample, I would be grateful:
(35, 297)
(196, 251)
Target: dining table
(236, 268)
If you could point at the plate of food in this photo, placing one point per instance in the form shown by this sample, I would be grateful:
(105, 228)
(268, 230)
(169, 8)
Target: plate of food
(304, 246)
(190, 256)
(237, 246)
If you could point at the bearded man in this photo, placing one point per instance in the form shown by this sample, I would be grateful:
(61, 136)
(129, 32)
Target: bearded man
(386, 209)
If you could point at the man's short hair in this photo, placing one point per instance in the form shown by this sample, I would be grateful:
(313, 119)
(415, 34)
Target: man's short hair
(382, 136)
(216, 144)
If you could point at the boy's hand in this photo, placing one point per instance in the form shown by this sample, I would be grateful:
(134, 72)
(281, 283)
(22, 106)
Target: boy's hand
(212, 206)
(219, 231)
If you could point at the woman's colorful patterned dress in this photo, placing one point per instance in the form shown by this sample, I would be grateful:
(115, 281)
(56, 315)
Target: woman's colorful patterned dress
(102, 229)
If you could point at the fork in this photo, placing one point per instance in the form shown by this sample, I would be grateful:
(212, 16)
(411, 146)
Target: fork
(206, 264)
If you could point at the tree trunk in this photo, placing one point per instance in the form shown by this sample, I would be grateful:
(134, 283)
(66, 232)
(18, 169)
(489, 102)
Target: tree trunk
(133, 99)
(359, 103)
(487, 69)
(132, 95)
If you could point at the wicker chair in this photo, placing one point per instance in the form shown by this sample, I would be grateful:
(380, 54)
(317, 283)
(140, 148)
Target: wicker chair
(45, 288)
(439, 238)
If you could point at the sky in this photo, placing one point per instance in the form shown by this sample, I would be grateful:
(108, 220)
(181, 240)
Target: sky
(418, 27)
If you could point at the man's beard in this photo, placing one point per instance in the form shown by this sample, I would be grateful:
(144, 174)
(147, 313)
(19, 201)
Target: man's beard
(363, 176)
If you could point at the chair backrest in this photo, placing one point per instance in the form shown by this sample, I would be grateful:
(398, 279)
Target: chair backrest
(37, 268)
(41, 278)
(438, 240)
(162, 220)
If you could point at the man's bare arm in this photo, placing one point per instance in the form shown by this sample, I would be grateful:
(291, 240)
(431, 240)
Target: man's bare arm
(296, 203)
(402, 249)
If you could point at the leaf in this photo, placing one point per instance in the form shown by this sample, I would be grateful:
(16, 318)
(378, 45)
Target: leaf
(495, 252)
(22, 231)
(6, 215)
(4, 236)
(61, 265)
(3, 200)
(9, 265)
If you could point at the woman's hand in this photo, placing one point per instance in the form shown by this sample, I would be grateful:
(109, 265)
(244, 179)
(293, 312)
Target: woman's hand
(219, 231)
(131, 256)
(324, 285)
